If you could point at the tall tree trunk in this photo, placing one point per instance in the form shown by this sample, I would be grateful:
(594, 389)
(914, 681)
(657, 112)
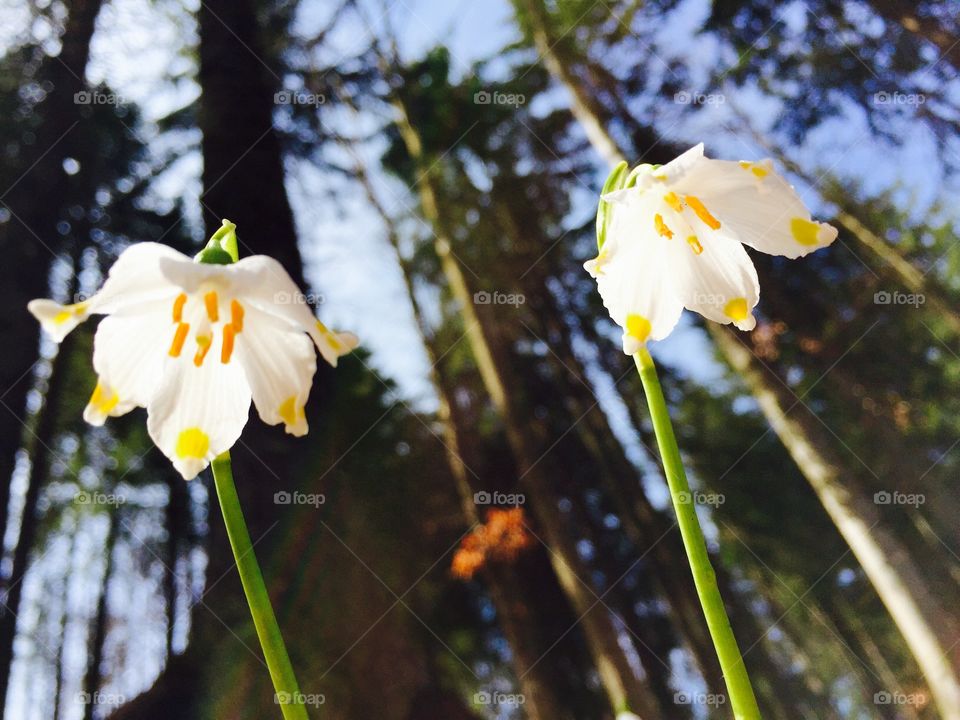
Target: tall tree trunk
(40, 454)
(542, 701)
(28, 242)
(93, 676)
(624, 689)
(243, 180)
(929, 631)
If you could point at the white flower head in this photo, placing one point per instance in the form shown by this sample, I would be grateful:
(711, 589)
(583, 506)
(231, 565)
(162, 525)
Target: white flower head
(193, 343)
(672, 236)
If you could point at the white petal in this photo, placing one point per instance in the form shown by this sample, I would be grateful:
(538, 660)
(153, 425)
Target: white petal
(756, 205)
(279, 362)
(263, 282)
(135, 278)
(58, 320)
(713, 275)
(680, 165)
(632, 275)
(198, 412)
(105, 402)
(129, 351)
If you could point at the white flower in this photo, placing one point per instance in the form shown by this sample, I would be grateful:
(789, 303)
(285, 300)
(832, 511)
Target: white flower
(674, 240)
(193, 343)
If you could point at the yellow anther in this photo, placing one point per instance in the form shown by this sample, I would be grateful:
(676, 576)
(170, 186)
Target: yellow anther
(661, 226)
(212, 304)
(695, 245)
(701, 211)
(179, 337)
(673, 201)
(226, 350)
(638, 327)
(236, 315)
(192, 443)
(178, 307)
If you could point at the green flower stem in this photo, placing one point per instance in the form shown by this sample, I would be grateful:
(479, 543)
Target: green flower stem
(742, 699)
(278, 662)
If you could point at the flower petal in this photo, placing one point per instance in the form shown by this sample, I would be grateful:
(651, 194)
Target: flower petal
(279, 362)
(713, 275)
(632, 275)
(135, 278)
(755, 205)
(129, 350)
(198, 412)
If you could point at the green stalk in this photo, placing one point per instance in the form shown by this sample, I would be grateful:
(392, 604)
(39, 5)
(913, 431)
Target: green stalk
(742, 699)
(288, 694)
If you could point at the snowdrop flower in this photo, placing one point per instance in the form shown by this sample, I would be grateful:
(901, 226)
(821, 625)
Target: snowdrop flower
(671, 237)
(193, 343)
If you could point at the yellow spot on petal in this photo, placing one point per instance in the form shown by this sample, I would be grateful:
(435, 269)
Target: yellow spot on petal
(661, 226)
(805, 232)
(178, 307)
(673, 201)
(192, 443)
(179, 337)
(737, 309)
(701, 211)
(103, 399)
(62, 316)
(289, 411)
(330, 337)
(756, 168)
(213, 306)
(638, 327)
(695, 245)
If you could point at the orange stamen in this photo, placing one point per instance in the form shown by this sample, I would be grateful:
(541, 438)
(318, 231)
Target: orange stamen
(695, 244)
(673, 201)
(236, 315)
(210, 300)
(203, 347)
(700, 209)
(226, 350)
(661, 226)
(178, 339)
(178, 307)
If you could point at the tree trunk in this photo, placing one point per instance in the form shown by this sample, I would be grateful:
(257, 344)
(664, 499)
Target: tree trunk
(28, 242)
(624, 689)
(93, 677)
(542, 701)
